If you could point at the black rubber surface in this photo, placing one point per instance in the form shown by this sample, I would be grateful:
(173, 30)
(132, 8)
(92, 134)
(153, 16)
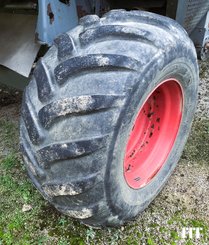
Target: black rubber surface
(81, 102)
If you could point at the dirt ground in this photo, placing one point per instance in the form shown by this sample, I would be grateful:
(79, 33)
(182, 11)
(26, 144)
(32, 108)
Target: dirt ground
(25, 218)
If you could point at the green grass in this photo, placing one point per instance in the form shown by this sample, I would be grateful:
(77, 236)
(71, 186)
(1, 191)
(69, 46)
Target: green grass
(198, 145)
(9, 135)
(44, 225)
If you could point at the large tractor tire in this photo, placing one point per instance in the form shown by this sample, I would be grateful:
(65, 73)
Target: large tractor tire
(107, 114)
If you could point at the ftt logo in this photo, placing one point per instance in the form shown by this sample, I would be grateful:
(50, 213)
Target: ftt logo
(191, 233)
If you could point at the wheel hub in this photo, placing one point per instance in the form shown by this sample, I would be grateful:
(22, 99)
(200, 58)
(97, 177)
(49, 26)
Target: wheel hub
(153, 134)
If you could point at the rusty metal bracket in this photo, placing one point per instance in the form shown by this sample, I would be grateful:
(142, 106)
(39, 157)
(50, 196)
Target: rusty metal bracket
(55, 17)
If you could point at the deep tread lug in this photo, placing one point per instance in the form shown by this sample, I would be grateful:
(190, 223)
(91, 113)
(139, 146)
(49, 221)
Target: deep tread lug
(76, 105)
(119, 32)
(65, 46)
(71, 188)
(43, 80)
(89, 20)
(80, 212)
(32, 125)
(70, 150)
(32, 163)
(95, 61)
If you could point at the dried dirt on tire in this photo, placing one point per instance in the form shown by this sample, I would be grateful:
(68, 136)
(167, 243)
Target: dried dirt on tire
(182, 203)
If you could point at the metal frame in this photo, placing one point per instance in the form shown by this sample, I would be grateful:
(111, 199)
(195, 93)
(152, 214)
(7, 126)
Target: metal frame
(58, 16)
(193, 15)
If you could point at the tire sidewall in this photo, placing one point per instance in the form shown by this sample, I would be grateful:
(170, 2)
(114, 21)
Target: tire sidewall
(124, 201)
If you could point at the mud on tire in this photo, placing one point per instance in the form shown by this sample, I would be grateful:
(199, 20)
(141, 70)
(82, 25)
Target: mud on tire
(79, 107)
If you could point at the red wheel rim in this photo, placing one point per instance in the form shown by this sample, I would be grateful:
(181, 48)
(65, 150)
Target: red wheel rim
(153, 133)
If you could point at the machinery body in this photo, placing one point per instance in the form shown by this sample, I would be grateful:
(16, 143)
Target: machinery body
(27, 25)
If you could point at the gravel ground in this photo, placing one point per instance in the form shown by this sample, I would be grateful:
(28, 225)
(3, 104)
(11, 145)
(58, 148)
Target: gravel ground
(182, 203)
(203, 104)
